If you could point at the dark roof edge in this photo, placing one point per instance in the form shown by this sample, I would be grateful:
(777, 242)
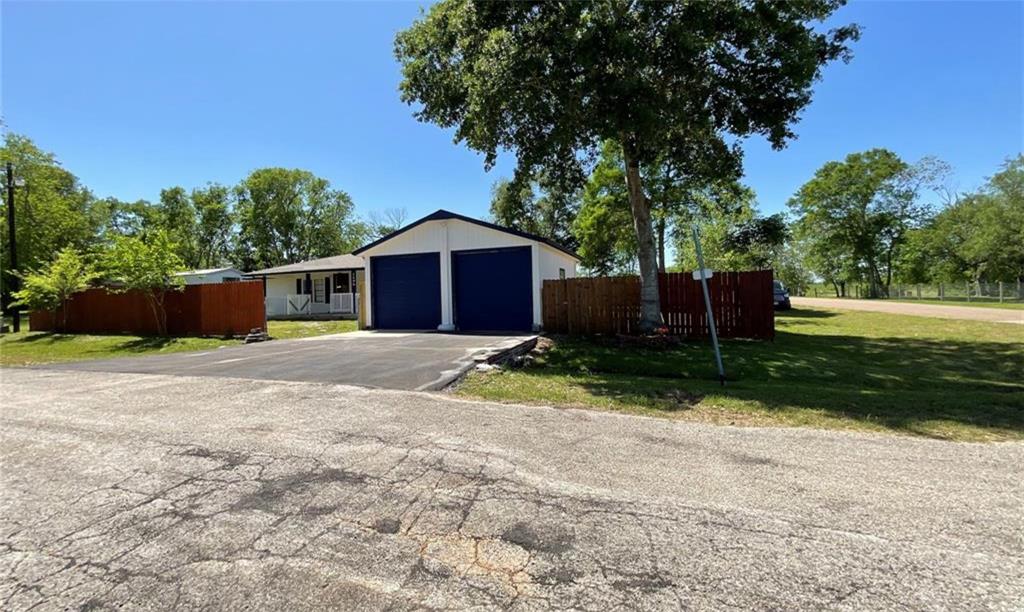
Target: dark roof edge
(331, 269)
(442, 215)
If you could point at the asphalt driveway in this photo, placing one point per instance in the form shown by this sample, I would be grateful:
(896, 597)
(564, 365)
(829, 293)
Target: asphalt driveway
(165, 492)
(389, 360)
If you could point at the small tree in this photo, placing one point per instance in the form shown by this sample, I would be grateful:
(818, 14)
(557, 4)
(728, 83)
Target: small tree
(52, 286)
(147, 266)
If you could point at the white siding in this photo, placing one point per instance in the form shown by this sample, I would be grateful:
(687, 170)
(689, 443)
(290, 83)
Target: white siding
(455, 235)
(210, 278)
(280, 286)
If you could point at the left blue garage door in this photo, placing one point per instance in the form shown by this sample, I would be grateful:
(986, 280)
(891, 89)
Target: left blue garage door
(406, 291)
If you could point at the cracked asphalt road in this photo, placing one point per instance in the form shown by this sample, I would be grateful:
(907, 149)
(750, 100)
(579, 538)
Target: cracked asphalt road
(163, 492)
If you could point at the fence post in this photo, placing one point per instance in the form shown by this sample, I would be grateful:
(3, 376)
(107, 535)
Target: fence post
(919, 291)
(1000, 292)
(968, 285)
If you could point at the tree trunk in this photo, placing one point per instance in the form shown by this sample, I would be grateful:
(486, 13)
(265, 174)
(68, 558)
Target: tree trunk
(835, 286)
(661, 244)
(650, 307)
(156, 307)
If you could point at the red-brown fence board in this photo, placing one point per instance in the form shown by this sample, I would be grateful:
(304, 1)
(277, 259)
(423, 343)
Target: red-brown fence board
(198, 310)
(741, 302)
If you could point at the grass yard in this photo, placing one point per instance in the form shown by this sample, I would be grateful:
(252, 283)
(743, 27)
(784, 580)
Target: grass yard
(304, 329)
(974, 303)
(958, 380)
(28, 348)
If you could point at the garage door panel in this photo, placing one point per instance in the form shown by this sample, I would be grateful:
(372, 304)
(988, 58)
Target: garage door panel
(406, 291)
(493, 289)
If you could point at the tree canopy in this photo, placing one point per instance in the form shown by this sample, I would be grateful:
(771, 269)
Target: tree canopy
(553, 81)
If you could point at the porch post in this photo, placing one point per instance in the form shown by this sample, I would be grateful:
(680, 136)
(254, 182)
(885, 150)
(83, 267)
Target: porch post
(447, 321)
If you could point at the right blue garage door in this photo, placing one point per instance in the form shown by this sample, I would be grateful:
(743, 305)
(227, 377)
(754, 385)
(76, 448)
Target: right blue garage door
(406, 291)
(492, 289)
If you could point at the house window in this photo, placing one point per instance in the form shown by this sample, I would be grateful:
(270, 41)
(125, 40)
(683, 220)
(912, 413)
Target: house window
(319, 291)
(298, 286)
(561, 273)
(342, 282)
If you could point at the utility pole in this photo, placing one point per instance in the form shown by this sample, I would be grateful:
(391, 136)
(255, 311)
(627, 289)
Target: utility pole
(12, 280)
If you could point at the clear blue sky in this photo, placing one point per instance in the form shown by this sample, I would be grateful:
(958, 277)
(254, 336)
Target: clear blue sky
(133, 97)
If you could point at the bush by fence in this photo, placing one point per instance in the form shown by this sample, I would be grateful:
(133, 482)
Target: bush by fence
(741, 302)
(199, 310)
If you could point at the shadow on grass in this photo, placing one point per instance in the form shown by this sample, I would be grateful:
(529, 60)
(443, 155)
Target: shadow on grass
(146, 343)
(903, 384)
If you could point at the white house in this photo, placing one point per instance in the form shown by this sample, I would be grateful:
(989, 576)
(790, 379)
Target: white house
(210, 276)
(325, 286)
(450, 272)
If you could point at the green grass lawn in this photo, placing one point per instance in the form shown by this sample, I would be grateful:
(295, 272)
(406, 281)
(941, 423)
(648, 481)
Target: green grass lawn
(27, 348)
(961, 380)
(963, 302)
(305, 329)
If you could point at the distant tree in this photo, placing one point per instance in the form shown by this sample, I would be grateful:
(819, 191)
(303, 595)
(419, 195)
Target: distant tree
(758, 241)
(387, 221)
(177, 217)
(148, 266)
(856, 214)
(553, 81)
(214, 225)
(286, 216)
(538, 203)
(978, 237)
(128, 218)
(50, 287)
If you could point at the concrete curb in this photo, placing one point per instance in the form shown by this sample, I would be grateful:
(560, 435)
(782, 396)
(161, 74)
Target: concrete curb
(494, 355)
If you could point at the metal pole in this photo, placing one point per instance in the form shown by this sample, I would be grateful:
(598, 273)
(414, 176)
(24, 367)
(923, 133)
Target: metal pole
(707, 305)
(12, 281)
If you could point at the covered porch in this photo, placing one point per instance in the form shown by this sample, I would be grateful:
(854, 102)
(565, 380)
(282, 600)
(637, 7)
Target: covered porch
(315, 292)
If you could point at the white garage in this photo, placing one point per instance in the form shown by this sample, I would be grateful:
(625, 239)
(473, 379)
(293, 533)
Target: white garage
(454, 273)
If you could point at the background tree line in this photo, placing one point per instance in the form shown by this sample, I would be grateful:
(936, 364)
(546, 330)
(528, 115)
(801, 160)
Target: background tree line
(273, 216)
(872, 219)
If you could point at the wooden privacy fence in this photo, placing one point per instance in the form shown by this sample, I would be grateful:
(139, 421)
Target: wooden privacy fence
(199, 310)
(742, 303)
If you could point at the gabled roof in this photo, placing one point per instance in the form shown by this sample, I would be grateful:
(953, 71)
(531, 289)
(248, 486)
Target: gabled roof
(336, 262)
(442, 215)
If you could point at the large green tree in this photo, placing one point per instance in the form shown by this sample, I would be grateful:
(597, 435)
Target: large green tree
(53, 210)
(286, 216)
(537, 203)
(214, 224)
(979, 237)
(856, 214)
(177, 217)
(553, 80)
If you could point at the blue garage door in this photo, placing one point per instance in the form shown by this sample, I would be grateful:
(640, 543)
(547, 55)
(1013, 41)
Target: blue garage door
(493, 289)
(406, 291)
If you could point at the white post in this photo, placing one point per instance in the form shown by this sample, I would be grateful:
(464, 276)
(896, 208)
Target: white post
(1000, 292)
(968, 285)
(707, 305)
(447, 320)
(942, 294)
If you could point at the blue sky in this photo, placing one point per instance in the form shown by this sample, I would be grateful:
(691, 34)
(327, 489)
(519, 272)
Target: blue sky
(133, 97)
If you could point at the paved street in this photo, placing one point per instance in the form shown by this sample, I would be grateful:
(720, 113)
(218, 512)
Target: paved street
(389, 360)
(941, 311)
(163, 492)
